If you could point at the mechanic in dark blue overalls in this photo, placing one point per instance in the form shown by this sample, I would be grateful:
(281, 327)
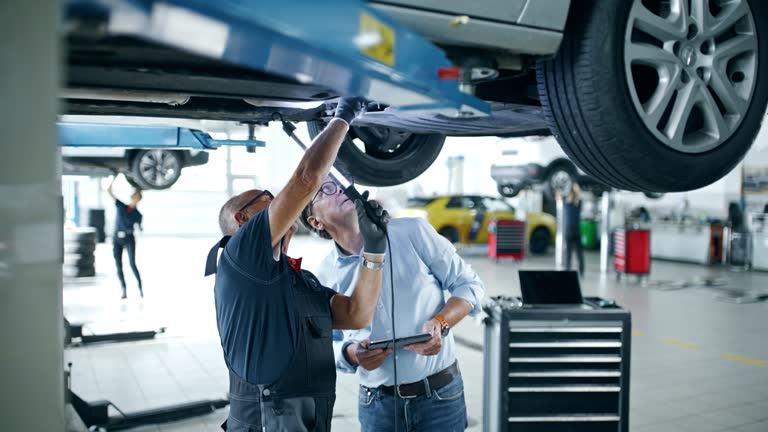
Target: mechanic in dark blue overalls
(276, 320)
(127, 217)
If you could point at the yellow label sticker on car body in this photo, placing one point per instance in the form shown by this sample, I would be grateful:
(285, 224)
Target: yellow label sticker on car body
(376, 39)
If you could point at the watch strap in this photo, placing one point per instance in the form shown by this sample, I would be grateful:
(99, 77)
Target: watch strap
(443, 324)
(372, 265)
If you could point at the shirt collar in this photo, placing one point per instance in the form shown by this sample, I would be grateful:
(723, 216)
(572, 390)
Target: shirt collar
(339, 254)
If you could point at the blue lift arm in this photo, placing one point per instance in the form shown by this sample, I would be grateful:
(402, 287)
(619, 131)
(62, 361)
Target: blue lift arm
(343, 44)
(139, 136)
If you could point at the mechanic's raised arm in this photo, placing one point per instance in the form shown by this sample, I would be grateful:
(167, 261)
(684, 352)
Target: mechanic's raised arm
(109, 188)
(312, 170)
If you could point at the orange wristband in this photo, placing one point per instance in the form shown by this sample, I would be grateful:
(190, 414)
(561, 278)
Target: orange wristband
(443, 324)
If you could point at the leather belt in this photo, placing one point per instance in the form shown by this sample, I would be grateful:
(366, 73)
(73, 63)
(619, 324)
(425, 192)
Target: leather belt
(433, 382)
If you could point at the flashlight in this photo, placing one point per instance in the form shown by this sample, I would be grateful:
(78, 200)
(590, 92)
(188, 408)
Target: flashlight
(349, 188)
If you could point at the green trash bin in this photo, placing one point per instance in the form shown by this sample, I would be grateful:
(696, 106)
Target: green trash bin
(589, 239)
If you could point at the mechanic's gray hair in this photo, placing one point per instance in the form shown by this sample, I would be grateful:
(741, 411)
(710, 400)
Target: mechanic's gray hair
(227, 222)
(304, 219)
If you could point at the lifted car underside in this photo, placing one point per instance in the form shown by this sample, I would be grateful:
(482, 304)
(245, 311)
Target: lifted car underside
(124, 76)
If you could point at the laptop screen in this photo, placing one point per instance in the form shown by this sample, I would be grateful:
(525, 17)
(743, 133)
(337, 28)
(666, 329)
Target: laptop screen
(550, 287)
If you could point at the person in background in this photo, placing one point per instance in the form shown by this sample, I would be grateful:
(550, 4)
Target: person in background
(572, 220)
(127, 216)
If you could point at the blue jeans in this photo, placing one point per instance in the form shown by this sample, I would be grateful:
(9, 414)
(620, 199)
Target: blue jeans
(441, 410)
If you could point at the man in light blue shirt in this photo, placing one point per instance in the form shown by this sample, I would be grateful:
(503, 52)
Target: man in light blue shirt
(426, 266)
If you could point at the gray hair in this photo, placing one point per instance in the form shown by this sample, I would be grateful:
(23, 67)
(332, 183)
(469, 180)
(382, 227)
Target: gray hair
(227, 223)
(304, 219)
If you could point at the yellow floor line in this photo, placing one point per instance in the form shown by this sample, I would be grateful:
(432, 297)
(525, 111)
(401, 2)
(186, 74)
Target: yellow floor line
(681, 344)
(637, 333)
(747, 360)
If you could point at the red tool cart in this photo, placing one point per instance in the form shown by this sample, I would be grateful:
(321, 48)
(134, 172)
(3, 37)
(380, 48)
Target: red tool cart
(632, 251)
(506, 239)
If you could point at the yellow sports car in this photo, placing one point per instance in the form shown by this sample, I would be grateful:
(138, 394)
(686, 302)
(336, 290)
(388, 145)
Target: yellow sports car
(465, 218)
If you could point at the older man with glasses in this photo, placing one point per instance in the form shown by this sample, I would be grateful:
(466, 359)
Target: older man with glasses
(430, 390)
(275, 320)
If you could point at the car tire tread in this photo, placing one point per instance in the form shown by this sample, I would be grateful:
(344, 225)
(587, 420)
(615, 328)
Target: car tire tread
(369, 171)
(598, 127)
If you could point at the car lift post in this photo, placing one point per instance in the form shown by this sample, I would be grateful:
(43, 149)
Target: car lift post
(31, 219)
(560, 236)
(605, 231)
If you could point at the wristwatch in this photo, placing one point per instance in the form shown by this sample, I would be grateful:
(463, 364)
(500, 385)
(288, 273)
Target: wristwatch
(372, 265)
(444, 324)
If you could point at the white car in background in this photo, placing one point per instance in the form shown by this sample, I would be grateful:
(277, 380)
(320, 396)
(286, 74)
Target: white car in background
(538, 162)
(530, 162)
(144, 168)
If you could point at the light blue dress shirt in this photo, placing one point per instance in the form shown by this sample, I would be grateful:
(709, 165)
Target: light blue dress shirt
(426, 266)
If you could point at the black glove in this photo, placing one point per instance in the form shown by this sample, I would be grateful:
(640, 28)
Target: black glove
(374, 238)
(349, 109)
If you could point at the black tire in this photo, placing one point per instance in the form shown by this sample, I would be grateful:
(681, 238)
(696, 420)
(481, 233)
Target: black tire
(156, 168)
(96, 220)
(79, 260)
(81, 236)
(540, 241)
(450, 233)
(588, 106)
(76, 272)
(508, 191)
(376, 168)
(78, 248)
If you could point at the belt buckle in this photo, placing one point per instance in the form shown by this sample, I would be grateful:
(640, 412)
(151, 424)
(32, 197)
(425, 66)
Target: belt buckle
(397, 389)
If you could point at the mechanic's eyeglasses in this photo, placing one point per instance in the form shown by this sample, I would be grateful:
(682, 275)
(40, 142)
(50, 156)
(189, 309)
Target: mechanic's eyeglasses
(327, 188)
(256, 198)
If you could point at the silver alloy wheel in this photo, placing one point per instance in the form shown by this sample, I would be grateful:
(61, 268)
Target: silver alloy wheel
(705, 61)
(159, 168)
(561, 181)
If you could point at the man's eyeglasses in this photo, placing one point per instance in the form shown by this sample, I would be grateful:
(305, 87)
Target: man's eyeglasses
(327, 188)
(256, 198)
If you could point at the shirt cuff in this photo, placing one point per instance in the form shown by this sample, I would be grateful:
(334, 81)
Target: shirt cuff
(338, 118)
(344, 360)
(468, 296)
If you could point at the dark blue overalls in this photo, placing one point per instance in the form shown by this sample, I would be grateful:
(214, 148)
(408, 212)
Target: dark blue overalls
(302, 398)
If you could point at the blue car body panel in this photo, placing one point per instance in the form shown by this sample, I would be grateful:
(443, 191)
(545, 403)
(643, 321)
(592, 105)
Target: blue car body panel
(363, 52)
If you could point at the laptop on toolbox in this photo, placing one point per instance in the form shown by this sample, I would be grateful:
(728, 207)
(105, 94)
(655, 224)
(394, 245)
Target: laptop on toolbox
(549, 288)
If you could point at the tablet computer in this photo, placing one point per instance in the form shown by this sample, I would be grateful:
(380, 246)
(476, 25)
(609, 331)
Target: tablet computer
(401, 342)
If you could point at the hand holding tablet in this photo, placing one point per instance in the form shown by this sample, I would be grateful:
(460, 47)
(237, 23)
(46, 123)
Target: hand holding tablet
(401, 342)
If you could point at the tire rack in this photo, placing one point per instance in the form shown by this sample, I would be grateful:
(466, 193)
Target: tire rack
(556, 369)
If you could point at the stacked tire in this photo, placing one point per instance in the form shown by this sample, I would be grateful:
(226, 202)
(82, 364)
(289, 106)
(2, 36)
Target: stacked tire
(96, 220)
(79, 248)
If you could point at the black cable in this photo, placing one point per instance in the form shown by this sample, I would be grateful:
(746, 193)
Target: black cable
(394, 344)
